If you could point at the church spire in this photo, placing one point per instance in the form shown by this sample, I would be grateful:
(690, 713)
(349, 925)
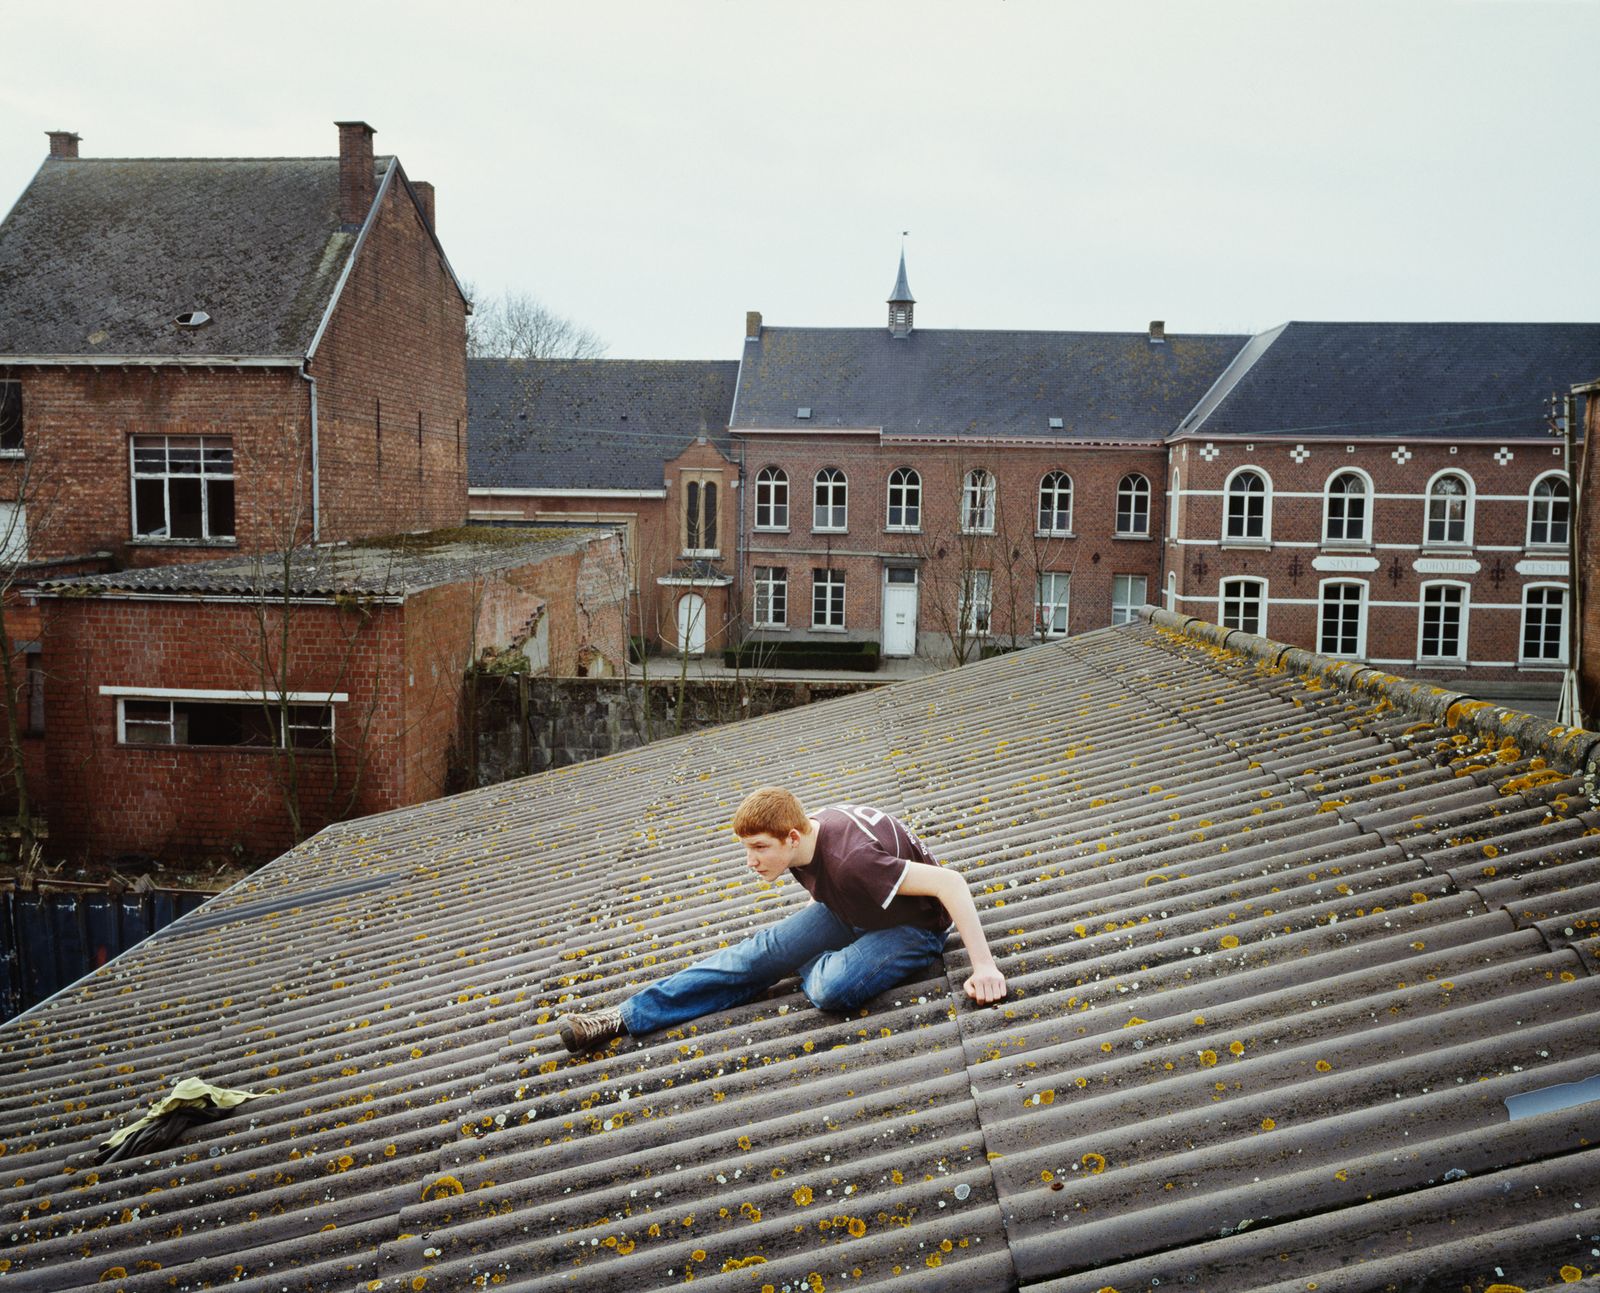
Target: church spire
(902, 305)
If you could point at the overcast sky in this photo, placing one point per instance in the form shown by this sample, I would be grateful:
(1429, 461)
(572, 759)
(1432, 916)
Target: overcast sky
(654, 170)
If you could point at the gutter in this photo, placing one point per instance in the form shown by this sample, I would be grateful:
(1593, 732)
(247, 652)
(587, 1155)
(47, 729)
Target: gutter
(316, 461)
(150, 361)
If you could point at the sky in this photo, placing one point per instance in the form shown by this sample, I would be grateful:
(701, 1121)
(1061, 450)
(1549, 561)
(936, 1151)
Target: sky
(654, 170)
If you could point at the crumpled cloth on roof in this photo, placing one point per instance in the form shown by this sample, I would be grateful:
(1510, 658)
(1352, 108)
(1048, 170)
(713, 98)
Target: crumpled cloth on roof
(190, 1102)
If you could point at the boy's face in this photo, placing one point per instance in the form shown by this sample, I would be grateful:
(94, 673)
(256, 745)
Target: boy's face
(769, 856)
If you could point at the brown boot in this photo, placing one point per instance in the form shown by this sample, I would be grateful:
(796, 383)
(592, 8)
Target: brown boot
(580, 1032)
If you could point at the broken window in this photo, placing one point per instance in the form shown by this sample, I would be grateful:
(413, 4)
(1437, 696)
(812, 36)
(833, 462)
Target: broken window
(244, 722)
(182, 487)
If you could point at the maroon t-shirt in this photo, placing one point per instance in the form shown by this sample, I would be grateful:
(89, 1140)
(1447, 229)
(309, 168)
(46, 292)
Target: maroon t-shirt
(858, 865)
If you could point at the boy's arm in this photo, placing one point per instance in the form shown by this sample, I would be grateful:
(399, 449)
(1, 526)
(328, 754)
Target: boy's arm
(986, 983)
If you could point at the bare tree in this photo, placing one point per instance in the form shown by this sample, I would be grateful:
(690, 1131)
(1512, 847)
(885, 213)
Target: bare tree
(517, 325)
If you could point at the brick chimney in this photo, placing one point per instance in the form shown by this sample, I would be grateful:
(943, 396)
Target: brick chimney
(356, 183)
(1158, 330)
(424, 192)
(63, 143)
(752, 325)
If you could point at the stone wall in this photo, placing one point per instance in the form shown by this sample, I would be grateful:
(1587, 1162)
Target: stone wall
(527, 724)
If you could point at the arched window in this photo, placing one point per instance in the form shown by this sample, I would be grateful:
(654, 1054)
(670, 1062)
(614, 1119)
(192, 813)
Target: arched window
(905, 499)
(828, 500)
(1055, 503)
(1449, 510)
(1549, 512)
(1133, 504)
(772, 499)
(977, 502)
(1173, 495)
(700, 517)
(1344, 509)
(1248, 503)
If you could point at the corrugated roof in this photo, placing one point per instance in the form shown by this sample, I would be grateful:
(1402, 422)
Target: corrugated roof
(945, 383)
(99, 256)
(1419, 381)
(590, 423)
(1280, 946)
(395, 566)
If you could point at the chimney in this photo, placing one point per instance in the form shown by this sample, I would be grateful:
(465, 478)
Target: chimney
(63, 143)
(356, 184)
(424, 192)
(1158, 331)
(752, 325)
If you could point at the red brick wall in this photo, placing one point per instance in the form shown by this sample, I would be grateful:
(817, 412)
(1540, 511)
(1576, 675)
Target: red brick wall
(394, 353)
(1400, 477)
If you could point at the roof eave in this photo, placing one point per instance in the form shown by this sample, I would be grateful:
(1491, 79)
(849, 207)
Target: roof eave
(149, 361)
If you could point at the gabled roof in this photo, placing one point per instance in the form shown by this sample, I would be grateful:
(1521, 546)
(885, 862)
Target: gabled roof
(1404, 381)
(590, 423)
(99, 256)
(944, 383)
(1291, 948)
(389, 567)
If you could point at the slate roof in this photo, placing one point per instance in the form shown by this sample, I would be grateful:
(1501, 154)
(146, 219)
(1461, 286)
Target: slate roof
(390, 567)
(1417, 381)
(590, 423)
(99, 255)
(1116, 386)
(1283, 937)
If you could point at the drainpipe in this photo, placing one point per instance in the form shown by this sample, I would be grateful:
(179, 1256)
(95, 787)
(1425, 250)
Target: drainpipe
(316, 464)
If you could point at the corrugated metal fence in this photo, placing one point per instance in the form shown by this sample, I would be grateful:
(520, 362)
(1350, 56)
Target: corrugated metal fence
(51, 939)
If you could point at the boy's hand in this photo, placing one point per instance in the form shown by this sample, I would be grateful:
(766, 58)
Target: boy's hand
(986, 986)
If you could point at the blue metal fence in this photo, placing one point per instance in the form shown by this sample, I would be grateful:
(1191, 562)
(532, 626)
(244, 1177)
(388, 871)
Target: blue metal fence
(49, 940)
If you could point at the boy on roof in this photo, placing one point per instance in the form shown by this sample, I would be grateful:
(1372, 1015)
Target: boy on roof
(881, 909)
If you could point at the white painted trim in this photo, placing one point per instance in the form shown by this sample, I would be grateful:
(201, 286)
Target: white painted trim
(566, 493)
(806, 431)
(193, 693)
(198, 598)
(1465, 588)
(152, 361)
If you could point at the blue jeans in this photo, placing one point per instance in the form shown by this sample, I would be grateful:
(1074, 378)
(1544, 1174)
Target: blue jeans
(839, 966)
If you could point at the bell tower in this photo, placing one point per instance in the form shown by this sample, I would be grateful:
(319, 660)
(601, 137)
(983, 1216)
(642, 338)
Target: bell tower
(902, 305)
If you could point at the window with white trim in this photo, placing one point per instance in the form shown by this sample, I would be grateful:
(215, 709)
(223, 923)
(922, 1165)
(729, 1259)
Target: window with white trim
(1342, 618)
(1055, 503)
(1243, 605)
(1344, 509)
(1544, 624)
(1247, 508)
(1442, 623)
(828, 500)
(246, 722)
(699, 516)
(1133, 505)
(1449, 511)
(1128, 594)
(977, 502)
(905, 499)
(827, 599)
(772, 597)
(977, 603)
(182, 487)
(772, 499)
(1549, 512)
(13, 532)
(10, 417)
(1050, 605)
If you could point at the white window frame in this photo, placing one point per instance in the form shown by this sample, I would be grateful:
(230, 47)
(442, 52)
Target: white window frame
(832, 516)
(1548, 506)
(772, 494)
(699, 484)
(1245, 509)
(203, 443)
(1468, 508)
(978, 502)
(1559, 660)
(1052, 602)
(1232, 589)
(827, 588)
(1323, 605)
(977, 603)
(1173, 497)
(1463, 606)
(1365, 538)
(1053, 487)
(13, 532)
(1123, 600)
(771, 593)
(175, 695)
(908, 481)
(1133, 495)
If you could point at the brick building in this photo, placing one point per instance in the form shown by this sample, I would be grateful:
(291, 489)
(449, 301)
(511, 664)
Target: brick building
(200, 708)
(1587, 398)
(637, 444)
(1386, 492)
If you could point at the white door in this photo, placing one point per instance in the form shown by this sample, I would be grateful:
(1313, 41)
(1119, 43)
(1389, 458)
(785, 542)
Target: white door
(692, 624)
(900, 612)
